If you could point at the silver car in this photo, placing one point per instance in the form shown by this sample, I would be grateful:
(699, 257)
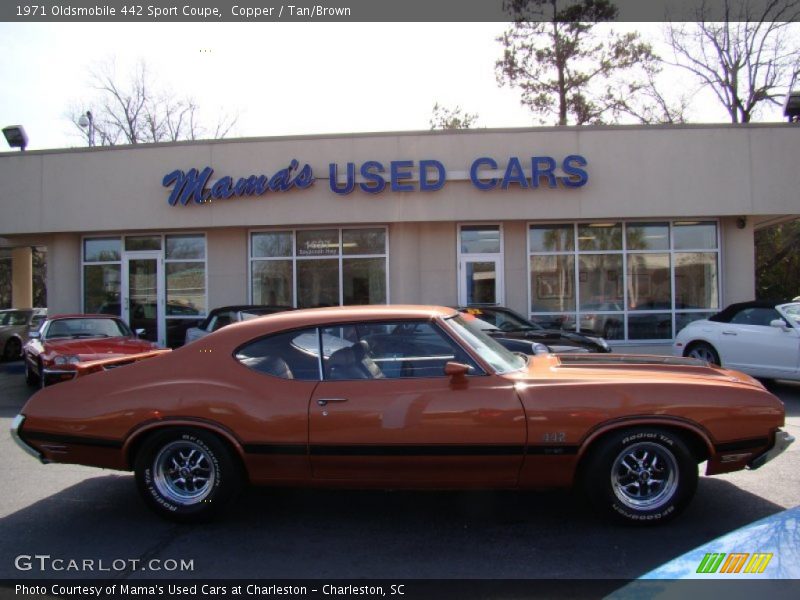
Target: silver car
(15, 324)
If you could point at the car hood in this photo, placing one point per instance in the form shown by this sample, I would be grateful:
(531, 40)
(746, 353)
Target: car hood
(97, 348)
(582, 367)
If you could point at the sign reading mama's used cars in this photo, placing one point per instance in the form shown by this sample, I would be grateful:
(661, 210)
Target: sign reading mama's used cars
(196, 186)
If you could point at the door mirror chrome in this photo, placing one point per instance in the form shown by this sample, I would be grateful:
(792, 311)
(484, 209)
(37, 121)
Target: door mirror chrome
(34, 335)
(780, 324)
(140, 332)
(456, 370)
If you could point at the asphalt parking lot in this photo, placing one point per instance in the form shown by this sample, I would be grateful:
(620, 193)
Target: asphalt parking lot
(82, 513)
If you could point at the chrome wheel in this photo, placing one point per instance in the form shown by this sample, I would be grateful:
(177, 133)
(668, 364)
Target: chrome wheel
(645, 476)
(184, 473)
(704, 352)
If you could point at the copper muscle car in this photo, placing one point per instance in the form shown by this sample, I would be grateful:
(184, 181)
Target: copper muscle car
(403, 396)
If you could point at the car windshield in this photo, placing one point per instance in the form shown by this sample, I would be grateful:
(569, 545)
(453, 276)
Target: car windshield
(501, 359)
(13, 317)
(87, 328)
(792, 311)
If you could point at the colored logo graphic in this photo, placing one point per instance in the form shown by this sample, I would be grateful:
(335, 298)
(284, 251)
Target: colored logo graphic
(736, 562)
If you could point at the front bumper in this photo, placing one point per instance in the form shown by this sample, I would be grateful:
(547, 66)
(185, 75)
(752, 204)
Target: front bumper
(16, 425)
(782, 441)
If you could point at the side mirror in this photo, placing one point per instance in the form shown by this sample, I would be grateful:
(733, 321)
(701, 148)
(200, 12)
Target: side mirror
(456, 370)
(34, 335)
(780, 324)
(139, 332)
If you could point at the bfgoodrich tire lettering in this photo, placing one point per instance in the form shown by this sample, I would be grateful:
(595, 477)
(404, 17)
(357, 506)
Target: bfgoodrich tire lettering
(643, 476)
(186, 475)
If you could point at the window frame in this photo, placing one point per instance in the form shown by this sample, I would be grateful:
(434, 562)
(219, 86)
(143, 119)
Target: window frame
(340, 257)
(576, 252)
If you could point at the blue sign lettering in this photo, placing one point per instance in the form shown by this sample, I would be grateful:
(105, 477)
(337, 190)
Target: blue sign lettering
(473, 173)
(426, 184)
(576, 177)
(192, 185)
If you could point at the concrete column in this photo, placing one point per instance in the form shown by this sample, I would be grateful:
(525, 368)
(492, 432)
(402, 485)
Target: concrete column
(22, 277)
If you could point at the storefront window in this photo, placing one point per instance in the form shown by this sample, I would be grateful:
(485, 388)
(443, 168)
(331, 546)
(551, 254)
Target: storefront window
(696, 284)
(552, 283)
(101, 289)
(551, 238)
(319, 267)
(186, 247)
(480, 239)
(600, 236)
(634, 281)
(186, 288)
(317, 283)
(695, 235)
(102, 249)
(272, 282)
(135, 243)
(363, 281)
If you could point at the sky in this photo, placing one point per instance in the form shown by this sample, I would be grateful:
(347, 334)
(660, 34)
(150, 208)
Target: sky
(280, 78)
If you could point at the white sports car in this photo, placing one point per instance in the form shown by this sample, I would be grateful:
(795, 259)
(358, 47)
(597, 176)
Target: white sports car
(760, 338)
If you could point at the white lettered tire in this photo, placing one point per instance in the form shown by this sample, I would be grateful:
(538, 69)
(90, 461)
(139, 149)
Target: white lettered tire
(643, 475)
(186, 475)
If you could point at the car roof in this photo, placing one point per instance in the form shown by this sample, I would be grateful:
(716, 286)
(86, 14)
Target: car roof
(246, 307)
(729, 311)
(312, 317)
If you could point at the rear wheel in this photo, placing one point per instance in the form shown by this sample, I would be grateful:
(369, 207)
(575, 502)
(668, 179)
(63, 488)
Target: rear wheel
(12, 350)
(705, 352)
(186, 475)
(645, 476)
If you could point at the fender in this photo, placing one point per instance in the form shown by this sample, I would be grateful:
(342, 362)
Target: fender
(136, 434)
(645, 420)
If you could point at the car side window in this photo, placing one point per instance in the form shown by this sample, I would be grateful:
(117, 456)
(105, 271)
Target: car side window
(755, 316)
(291, 355)
(391, 350)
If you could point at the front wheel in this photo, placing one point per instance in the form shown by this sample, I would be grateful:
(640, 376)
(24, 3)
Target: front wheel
(30, 377)
(186, 475)
(645, 476)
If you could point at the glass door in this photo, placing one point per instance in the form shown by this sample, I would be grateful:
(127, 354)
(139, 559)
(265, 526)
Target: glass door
(481, 281)
(143, 295)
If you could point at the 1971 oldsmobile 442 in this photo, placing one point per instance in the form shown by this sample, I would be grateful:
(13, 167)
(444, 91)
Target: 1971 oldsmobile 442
(403, 396)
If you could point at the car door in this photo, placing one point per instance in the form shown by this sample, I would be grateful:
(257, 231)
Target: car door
(748, 342)
(386, 412)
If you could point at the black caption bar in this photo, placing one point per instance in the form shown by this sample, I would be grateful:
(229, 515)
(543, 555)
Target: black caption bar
(299, 11)
(399, 589)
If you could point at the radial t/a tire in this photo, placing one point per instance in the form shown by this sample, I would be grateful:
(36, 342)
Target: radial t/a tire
(186, 475)
(643, 476)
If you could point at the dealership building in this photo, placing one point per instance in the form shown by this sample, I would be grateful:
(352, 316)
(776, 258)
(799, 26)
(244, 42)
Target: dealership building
(629, 232)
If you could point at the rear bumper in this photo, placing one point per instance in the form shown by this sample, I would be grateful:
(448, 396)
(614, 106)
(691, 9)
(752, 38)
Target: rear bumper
(16, 425)
(782, 441)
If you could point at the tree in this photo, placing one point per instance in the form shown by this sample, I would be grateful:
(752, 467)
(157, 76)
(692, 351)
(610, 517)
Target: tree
(135, 111)
(455, 118)
(778, 262)
(553, 53)
(749, 59)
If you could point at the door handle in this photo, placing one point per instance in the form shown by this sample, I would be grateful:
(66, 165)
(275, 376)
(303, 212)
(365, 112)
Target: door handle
(324, 401)
(729, 333)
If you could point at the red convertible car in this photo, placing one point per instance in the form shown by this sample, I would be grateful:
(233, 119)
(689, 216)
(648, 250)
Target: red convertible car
(403, 396)
(66, 345)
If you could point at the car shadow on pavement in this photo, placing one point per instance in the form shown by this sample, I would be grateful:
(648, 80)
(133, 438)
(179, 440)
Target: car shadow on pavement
(290, 533)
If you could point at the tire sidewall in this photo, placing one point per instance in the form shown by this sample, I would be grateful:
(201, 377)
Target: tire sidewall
(599, 486)
(225, 475)
(12, 349)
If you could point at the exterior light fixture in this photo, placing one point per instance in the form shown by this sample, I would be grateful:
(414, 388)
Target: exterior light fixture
(86, 120)
(16, 136)
(791, 107)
